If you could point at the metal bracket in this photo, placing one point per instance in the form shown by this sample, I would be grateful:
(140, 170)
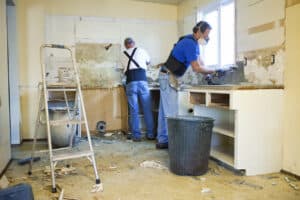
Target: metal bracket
(273, 59)
(245, 61)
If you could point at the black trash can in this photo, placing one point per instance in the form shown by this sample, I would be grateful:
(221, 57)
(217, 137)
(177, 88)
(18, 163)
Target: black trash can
(189, 144)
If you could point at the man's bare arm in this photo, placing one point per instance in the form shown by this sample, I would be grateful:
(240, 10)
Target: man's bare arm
(198, 66)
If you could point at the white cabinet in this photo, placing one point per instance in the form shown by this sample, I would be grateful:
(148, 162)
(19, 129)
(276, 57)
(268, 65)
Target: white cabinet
(247, 133)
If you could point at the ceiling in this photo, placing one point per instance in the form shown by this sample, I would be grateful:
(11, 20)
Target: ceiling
(173, 2)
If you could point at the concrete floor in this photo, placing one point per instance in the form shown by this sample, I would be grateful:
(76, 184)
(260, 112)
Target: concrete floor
(118, 162)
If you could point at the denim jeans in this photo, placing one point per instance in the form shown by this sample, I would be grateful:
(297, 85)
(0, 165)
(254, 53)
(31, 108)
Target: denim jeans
(138, 91)
(168, 106)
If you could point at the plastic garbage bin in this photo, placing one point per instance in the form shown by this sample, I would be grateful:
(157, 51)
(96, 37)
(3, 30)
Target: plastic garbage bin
(21, 191)
(189, 144)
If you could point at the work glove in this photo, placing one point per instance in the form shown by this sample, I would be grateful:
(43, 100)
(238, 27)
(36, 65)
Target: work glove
(220, 72)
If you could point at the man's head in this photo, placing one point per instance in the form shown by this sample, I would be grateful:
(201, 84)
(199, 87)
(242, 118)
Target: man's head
(129, 43)
(202, 30)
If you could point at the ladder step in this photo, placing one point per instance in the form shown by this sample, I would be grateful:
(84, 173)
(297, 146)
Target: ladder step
(61, 89)
(63, 122)
(71, 155)
(61, 84)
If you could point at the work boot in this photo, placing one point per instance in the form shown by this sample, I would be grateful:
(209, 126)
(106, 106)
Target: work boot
(136, 139)
(129, 137)
(150, 137)
(162, 145)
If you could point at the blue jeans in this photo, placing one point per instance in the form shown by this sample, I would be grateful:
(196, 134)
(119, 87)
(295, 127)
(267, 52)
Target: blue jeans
(138, 91)
(168, 106)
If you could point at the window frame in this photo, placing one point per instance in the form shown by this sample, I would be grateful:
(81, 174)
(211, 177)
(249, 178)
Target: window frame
(210, 8)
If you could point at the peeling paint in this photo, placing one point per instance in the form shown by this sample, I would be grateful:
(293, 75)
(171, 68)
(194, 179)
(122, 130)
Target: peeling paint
(261, 70)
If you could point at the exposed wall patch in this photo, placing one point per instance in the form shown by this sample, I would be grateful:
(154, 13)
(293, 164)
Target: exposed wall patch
(290, 3)
(261, 28)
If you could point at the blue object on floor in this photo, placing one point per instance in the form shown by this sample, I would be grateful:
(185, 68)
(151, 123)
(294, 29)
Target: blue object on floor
(21, 191)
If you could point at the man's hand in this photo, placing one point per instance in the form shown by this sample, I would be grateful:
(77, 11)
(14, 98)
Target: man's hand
(220, 72)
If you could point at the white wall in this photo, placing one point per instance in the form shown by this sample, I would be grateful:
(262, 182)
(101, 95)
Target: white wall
(156, 36)
(4, 95)
(291, 145)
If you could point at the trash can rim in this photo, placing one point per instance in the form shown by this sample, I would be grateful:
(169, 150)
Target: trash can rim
(191, 118)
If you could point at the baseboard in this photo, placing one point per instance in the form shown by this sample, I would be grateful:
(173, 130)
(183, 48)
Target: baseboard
(290, 173)
(5, 168)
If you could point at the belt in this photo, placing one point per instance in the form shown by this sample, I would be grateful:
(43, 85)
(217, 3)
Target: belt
(164, 70)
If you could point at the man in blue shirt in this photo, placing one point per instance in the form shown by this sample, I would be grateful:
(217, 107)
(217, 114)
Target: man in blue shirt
(184, 54)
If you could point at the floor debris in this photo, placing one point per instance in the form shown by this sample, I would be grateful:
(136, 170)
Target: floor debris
(113, 167)
(152, 164)
(214, 171)
(206, 190)
(291, 184)
(107, 141)
(242, 182)
(61, 196)
(67, 170)
(127, 157)
(4, 182)
(97, 188)
(108, 134)
(294, 186)
(23, 178)
(272, 177)
(287, 179)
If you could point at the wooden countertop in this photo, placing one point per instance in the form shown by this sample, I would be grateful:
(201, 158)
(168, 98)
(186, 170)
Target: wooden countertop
(232, 87)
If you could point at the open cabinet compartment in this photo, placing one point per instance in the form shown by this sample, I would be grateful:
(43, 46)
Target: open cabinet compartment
(198, 98)
(222, 148)
(219, 100)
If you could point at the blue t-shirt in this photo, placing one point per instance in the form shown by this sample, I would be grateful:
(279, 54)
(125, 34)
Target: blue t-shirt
(186, 50)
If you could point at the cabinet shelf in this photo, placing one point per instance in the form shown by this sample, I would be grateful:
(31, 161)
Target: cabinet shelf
(222, 131)
(218, 105)
(223, 153)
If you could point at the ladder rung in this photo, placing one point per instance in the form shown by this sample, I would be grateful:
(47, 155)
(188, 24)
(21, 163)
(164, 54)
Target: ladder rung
(61, 108)
(65, 121)
(71, 155)
(61, 84)
(61, 89)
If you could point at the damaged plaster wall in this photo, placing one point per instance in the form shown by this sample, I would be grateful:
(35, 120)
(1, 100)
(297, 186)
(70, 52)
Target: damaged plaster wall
(97, 31)
(154, 26)
(261, 40)
(97, 65)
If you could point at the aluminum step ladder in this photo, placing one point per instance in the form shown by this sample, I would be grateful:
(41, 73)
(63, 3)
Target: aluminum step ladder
(78, 103)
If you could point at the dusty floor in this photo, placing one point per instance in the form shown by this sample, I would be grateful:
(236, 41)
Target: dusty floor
(118, 162)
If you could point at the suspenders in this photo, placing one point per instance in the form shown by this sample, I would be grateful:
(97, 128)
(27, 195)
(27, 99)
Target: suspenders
(131, 59)
(138, 74)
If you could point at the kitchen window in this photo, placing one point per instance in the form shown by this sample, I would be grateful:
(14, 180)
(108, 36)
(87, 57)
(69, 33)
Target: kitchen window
(220, 50)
